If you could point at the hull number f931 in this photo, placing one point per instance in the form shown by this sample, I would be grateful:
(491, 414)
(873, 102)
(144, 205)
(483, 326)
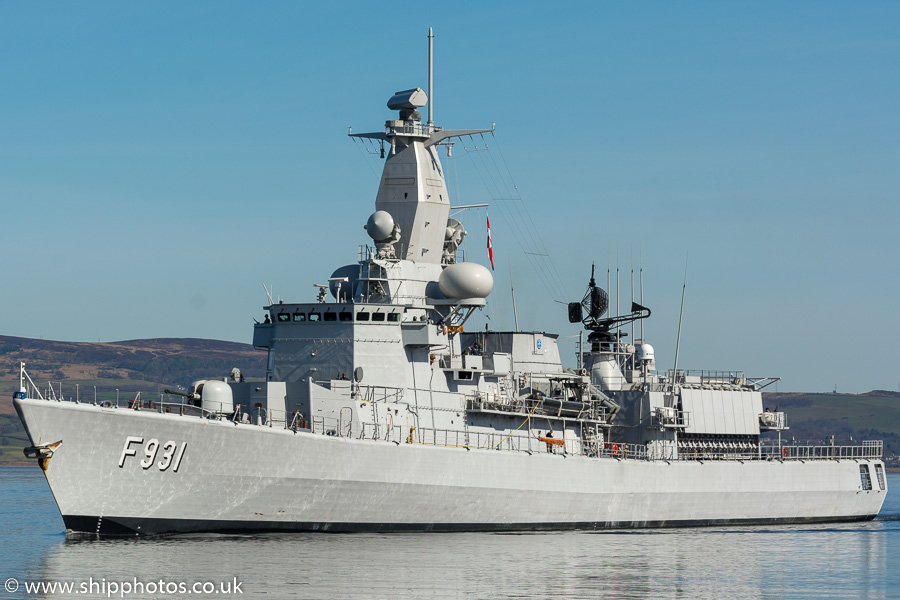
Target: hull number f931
(170, 457)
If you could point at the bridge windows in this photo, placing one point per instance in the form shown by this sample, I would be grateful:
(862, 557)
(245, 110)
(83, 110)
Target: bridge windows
(341, 315)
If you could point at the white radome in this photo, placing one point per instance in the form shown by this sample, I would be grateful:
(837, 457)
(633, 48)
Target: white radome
(380, 225)
(466, 280)
(348, 272)
(645, 353)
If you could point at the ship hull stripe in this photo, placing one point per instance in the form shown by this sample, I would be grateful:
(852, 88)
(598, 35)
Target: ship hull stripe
(131, 526)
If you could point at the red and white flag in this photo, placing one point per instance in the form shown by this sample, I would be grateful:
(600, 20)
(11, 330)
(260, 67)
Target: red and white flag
(490, 246)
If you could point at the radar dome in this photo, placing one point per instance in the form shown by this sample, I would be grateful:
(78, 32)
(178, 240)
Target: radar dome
(466, 280)
(645, 353)
(348, 288)
(380, 225)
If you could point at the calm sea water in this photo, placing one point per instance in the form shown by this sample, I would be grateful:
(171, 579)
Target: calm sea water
(818, 561)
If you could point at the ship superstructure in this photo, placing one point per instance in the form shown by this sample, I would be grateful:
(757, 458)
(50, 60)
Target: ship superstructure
(381, 411)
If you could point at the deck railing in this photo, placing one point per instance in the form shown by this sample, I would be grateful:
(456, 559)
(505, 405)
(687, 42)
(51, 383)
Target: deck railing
(868, 449)
(524, 440)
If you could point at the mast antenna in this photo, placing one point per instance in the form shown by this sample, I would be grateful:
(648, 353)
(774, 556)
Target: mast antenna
(430, 78)
(680, 316)
(642, 288)
(512, 292)
(632, 297)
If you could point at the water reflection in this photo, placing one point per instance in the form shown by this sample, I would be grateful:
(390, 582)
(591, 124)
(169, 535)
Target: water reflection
(819, 561)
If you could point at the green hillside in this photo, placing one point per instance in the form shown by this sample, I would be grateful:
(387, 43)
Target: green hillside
(878, 409)
(163, 360)
(12, 441)
(874, 415)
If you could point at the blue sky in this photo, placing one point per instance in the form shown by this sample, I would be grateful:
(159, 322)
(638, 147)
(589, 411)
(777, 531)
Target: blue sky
(159, 161)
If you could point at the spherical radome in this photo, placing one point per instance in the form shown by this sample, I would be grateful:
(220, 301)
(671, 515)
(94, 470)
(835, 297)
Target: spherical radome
(380, 225)
(645, 352)
(466, 280)
(351, 273)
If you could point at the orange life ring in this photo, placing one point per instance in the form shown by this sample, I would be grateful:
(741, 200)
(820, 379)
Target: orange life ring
(615, 449)
(784, 452)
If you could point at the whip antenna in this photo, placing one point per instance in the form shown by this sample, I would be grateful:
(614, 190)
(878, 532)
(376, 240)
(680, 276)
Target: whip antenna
(430, 79)
(680, 316)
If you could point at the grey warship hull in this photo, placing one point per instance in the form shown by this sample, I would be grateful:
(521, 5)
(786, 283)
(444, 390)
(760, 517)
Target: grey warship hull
(254, 478)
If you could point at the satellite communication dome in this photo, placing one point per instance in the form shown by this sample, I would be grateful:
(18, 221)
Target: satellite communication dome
(351, 273)
(380, 225)
(466, 280)
(645, 353)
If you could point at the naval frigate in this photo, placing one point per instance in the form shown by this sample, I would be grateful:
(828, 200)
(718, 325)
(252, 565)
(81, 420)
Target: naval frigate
(380, 411)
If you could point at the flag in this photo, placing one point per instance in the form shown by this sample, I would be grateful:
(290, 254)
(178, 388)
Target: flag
(490, 246)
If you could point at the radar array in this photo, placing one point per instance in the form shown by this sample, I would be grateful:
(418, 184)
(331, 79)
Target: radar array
(594, 305)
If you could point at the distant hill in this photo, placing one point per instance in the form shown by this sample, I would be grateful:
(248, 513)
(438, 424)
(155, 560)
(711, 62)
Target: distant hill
(161, 360)
(873, 415)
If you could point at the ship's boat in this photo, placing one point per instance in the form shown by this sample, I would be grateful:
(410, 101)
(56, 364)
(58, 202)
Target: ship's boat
(381, 412)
